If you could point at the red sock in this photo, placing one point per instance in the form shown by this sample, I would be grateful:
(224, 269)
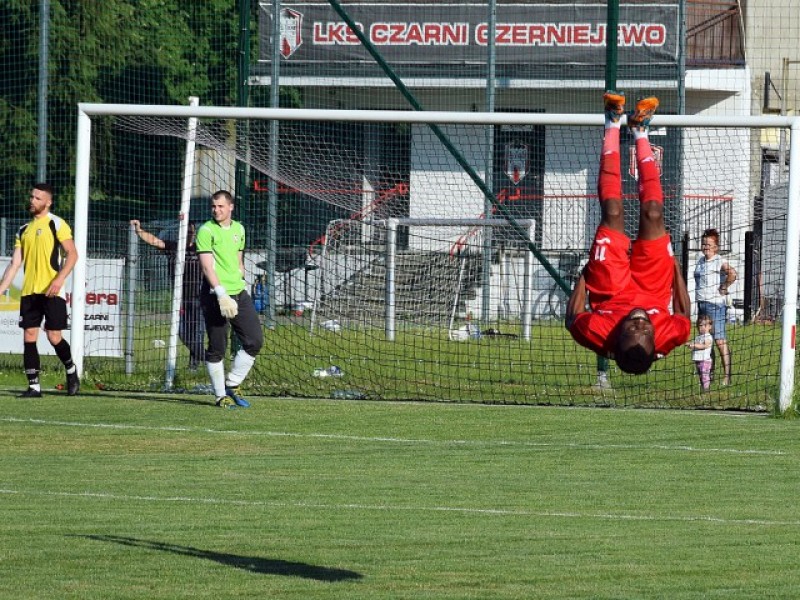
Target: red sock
(609, 181)
(649, 174)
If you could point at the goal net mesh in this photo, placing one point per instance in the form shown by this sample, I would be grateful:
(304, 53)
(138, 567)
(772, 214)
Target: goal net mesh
(462, 326)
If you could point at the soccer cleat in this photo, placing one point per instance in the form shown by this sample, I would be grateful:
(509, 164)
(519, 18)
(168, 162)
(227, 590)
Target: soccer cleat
(233, 394)
(225, 402)
(30, 393)
(614, 106)
(73, 384)
(645, 109)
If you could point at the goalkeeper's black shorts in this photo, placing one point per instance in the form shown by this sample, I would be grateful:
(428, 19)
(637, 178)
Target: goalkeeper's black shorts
(246, 324)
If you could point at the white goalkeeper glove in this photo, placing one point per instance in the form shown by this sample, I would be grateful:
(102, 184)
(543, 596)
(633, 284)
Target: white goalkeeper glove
(227, 305)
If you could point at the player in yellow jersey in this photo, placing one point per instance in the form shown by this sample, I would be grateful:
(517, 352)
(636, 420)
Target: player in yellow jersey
(44, 248)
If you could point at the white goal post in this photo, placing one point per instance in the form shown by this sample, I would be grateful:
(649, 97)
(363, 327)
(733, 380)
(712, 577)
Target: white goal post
(87, 111)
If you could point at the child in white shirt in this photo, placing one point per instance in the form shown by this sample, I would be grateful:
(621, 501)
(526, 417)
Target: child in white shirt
(701, 350)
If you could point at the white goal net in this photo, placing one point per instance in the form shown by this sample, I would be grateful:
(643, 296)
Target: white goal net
(365, 251)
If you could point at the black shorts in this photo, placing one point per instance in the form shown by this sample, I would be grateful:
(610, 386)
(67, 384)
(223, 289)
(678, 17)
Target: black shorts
(34, 307)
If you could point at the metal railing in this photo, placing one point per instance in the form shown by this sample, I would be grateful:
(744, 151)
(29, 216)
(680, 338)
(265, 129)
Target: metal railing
(714, 34)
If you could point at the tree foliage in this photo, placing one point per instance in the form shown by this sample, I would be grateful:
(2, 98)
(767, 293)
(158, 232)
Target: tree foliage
(126, 51)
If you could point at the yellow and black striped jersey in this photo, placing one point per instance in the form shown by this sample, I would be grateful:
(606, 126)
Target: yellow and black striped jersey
(42, 253)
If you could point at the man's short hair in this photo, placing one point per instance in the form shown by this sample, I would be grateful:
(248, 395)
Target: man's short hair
(223, 194)
(44, 187)
(635, 360)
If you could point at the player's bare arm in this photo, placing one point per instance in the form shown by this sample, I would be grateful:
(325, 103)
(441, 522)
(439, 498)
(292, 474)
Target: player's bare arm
(11, 270)
(69, 264)
(577, 301)
(681, 305)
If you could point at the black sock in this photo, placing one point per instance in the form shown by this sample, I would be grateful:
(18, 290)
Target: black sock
(64, 352)
(30, 360)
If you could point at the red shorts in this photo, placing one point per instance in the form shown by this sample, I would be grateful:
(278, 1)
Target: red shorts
(616, 266)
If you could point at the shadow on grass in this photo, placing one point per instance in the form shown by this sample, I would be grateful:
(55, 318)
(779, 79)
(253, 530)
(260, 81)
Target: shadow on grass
(178, 396)
(254, 564)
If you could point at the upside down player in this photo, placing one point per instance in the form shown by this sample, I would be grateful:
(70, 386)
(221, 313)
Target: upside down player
(630, 285)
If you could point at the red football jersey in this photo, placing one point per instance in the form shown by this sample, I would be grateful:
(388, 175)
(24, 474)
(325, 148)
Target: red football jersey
(620, 277)
(593, 329)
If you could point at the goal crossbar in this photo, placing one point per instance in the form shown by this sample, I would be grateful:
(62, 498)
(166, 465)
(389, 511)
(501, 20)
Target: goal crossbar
(410, 116)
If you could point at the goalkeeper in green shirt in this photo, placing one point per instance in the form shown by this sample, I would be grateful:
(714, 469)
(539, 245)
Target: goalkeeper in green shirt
(225, 301)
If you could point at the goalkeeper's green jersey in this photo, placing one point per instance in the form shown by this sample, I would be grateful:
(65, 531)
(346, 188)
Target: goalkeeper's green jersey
(224, 243)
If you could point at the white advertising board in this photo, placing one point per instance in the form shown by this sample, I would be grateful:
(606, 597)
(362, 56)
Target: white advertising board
(102, 321)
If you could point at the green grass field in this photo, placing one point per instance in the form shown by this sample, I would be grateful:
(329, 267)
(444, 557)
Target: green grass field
(423, 364)
(124, 495)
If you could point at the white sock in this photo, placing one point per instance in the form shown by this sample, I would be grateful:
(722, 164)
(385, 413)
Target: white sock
(639, 133)
(216, 372)
(242, 363)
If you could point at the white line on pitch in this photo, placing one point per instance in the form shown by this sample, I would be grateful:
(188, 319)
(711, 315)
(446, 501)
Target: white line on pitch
(396, 440)
(502, 512)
